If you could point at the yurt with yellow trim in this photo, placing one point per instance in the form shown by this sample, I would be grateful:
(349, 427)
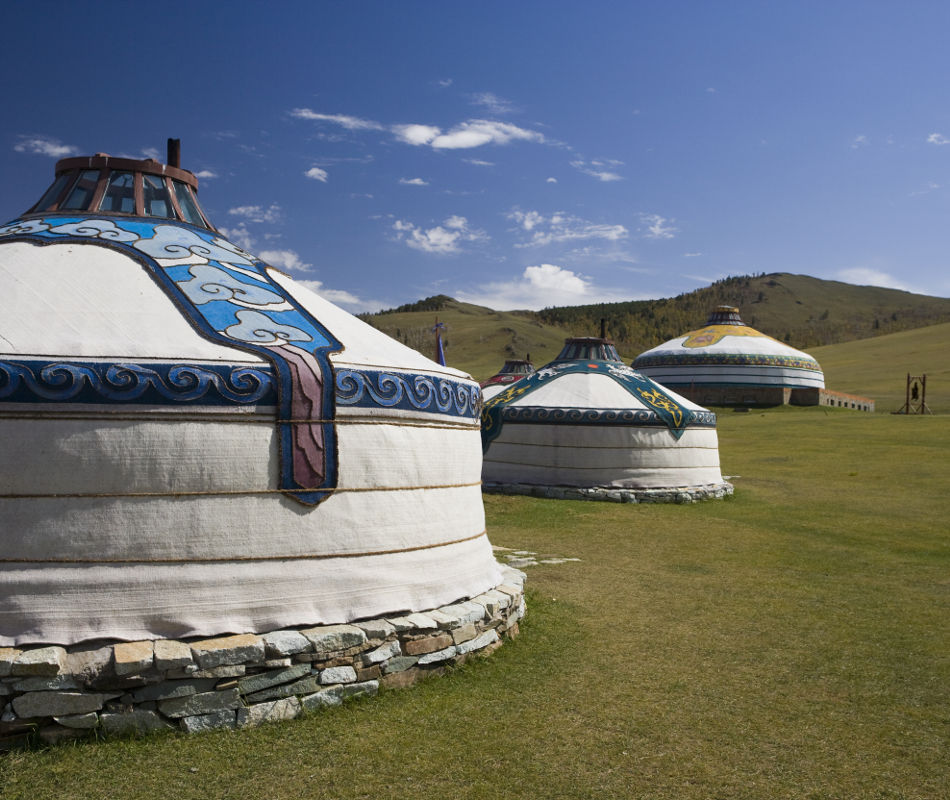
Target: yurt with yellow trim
(728, 362)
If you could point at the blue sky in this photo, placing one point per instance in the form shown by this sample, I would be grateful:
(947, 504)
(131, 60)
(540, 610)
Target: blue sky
(513, 154)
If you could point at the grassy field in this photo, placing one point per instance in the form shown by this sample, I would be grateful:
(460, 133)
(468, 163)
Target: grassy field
(791, 642)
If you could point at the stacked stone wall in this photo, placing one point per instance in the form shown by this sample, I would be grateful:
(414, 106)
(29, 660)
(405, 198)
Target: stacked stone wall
(241, 680)
(679, 495)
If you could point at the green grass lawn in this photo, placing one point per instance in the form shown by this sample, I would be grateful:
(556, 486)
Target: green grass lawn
(791, 642)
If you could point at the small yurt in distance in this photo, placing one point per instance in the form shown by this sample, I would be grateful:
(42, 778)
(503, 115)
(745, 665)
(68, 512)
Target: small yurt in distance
(727, 362)
(513, 370)
(192, 444)
(587, 425)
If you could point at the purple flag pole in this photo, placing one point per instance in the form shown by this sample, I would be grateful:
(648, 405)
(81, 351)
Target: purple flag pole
(439, 351)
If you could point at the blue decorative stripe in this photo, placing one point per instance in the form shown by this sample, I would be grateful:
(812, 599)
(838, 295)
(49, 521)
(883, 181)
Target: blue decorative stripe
(29, 381)
(734, 359)
(374, 389)
(639, 417)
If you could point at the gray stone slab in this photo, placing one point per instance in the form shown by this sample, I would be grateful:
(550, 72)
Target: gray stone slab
(170, 654)
(382, 653)
(399, 664)
(337, 675)
(367, 688)
(201, 704)
(79, 721)
(376, 628)
(305, 686)
(56, 704)
(214, 720)
(54, 684)
(279, 644)
(328, 639)
(167, 690)
(438, 655)
(274, 711)
(264, 680)
(485, 639)
(228, 650)
(7, 657)
(46, 661)
(331, 696)
(136, 721)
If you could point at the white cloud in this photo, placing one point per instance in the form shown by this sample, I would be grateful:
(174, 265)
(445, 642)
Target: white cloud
(444, 239)
(478, 162)
(937, 138)
(206, 174)
(342, 298)
(317, 174)
(344, 120)
(657, 227)
(863, 276)
(551, 180)
(540, 286)
(284, 259)
(445, 83)
(478, 132)
(492, 103)
(413, 182)
(561, 227)
(691, 255)
(416, 134)
(594, 170)
(240, 235)
(44, 146)
(257, 213)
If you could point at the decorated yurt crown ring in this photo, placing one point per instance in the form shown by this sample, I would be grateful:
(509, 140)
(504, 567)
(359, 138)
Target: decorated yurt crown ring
(224, 499)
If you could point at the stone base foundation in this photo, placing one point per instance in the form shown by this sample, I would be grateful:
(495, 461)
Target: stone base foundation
(679, 494)
(243, 680)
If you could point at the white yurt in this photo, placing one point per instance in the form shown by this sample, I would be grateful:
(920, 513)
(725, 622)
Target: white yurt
(727, 361)
(193, 444)
(588, 421)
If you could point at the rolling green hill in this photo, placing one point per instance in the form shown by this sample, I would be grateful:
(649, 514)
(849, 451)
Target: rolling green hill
(807, 312)
(878, 367)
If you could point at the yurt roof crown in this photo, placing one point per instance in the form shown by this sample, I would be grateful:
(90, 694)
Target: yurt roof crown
(588, 347)
(725, 315)
(517, 366)
(102, 184)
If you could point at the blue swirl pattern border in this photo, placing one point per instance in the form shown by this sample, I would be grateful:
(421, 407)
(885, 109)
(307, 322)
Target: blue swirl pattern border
(640, 417)
(29, 381)
(410, 392)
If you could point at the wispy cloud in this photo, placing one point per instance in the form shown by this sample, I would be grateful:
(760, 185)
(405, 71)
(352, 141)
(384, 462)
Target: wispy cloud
(598, 169)
(691, 255)
(465, 135)
(345, 120)
(859, 141)
(240, 235)
(864, 276)
(551, 180)
(342, 298)
(478, 162)
(44, 146)
(540, 286)
(445, 83)
(937, 138)
(492, 103)
(657, 227)
(206, 174)
(561, 227)
(413, 182)
(288, 260)
(444, 239)
(270, 214)
(317, 174)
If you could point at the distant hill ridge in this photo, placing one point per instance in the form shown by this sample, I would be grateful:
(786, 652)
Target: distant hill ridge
(803, 311)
